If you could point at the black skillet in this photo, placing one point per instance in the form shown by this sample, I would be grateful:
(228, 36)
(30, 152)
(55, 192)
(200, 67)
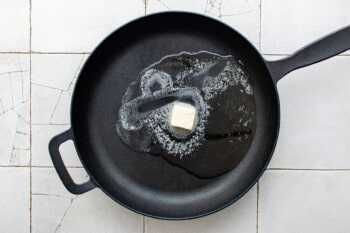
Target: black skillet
(149, 184)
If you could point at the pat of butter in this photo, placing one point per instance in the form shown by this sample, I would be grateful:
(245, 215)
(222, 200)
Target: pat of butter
(183, 115)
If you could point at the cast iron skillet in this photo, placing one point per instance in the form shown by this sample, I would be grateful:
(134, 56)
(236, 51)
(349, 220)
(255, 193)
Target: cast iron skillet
(148, 184)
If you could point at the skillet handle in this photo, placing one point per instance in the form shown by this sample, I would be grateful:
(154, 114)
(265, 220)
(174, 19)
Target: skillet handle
(326, 47)
(61, 169)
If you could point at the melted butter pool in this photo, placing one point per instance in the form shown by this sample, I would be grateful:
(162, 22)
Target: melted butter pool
(222, 93)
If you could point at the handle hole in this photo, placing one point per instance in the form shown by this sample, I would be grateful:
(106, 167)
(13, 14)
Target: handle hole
(72, 162)
(69, 154)
(79, 175)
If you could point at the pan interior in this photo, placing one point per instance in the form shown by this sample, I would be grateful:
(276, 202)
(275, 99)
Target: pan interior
(150, 184)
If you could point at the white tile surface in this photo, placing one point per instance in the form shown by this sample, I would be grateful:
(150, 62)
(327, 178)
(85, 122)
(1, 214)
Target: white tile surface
(50, 198)
(14, 200)
(47, 212)
(304, 201)
(47, 182)
(239, 217)
(44, 103)
(14, 110)
(41, 135)
(78, 26)
(315, 117)
(56, 210)
(53, 79)
(14, 80)
(243, 15)
(14, 25)
(56, 70)
(289, 25)
(61, 112)
(95, 212)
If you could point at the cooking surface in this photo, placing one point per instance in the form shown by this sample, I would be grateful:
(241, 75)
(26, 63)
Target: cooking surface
(306, 186)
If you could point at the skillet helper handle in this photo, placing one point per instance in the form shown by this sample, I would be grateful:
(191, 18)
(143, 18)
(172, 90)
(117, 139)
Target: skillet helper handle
(326, 47)
(61, 168)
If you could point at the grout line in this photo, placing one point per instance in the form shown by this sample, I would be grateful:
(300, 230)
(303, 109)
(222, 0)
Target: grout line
(30, 118)
(54, 167)
(7, 52)
(49, 124)
(145, 4)
(343, 55)
(50, 195)
(257, 207)
(309, 169)
(275, 54)
(287, 54)
(35, 166)
(144, 224)
(79, 53)
(34, 52)
(260, 26)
